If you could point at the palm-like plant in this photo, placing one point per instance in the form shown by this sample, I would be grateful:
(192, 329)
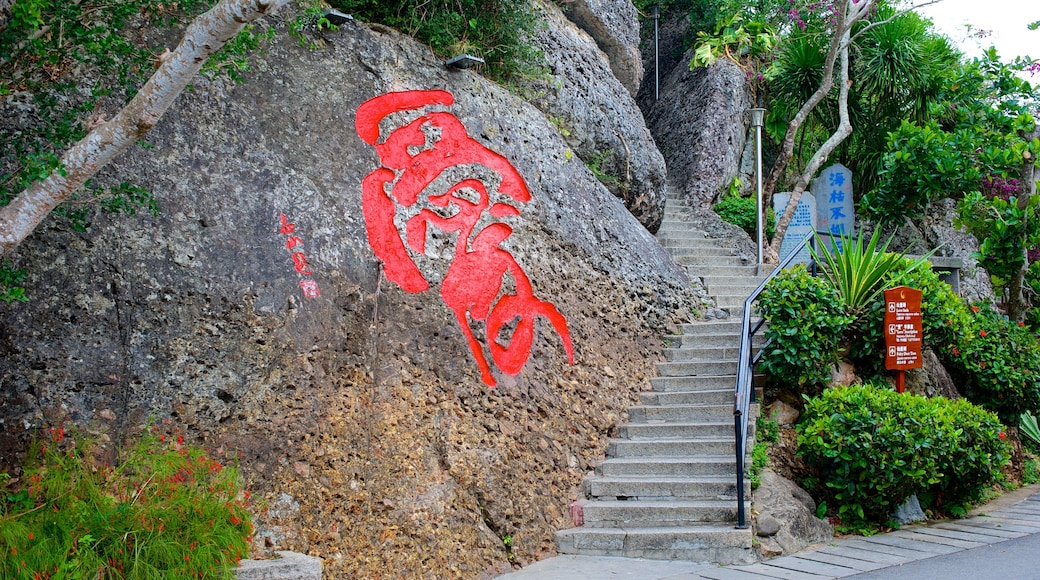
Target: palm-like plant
(857, 271)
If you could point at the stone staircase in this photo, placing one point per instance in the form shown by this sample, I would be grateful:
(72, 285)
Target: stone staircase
(667, 489)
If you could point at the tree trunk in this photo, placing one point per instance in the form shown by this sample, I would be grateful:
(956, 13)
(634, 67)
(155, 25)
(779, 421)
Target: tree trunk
(204, 36)
(1018, 303)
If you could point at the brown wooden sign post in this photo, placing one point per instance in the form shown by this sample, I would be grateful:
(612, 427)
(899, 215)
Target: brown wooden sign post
(903, 332)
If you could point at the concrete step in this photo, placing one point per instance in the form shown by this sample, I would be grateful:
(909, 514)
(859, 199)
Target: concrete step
(672, 384)
(697, 352)
(682, 232)
(721, 544)
(664, 488)
(676, 430)
(705, 251)
(694, 397)
(680, 342)
(712, 327)
(697, 368)
(731, 271)
(670, 466)
(745, 280)
(618, 448)
(697, 264)
(656, 514)
(680, 413)
(725, 301)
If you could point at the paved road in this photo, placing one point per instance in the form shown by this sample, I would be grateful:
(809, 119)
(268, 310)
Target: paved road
(999, 541)
(1011, 560)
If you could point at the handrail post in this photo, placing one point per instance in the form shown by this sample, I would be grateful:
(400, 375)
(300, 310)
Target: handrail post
(737, 427)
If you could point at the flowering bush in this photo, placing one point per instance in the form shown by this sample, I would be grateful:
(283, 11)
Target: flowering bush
(168, 510)
(999, 361)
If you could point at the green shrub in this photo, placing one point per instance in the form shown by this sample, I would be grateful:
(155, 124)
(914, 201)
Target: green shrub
(740, 211)
(806, 323)
(979, 454)
(874, 448)
(999, 362)
(167, 511)
(495, 30)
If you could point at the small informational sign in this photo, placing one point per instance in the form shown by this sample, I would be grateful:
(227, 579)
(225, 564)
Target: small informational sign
(835, 214)
(903, 329)
(802, 224)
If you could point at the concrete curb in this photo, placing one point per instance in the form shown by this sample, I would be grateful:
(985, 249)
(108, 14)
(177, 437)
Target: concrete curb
(288, 566)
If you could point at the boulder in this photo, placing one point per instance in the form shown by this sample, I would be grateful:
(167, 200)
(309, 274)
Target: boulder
(789, 509)
(782, 413)
(701, 122)
(932, 378)
(274, 313)
(614, 24)
(598, 118)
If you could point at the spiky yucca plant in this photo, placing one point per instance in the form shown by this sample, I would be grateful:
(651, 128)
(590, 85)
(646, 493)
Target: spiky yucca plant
(857, 271)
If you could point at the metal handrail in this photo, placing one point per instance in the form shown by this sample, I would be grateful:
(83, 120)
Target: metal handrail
(744, 393)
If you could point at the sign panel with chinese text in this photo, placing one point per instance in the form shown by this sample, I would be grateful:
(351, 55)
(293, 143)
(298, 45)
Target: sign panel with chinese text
(903, 329)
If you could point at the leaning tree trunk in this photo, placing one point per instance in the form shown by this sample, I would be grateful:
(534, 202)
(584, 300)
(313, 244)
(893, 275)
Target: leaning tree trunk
(203, 37)
(840, 50)
(1018, 303)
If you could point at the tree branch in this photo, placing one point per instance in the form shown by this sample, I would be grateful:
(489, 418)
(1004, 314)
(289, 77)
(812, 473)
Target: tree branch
(204, 36)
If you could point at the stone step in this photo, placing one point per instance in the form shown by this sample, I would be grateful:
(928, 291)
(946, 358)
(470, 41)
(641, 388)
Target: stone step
(698, 263)
(676, 430)
(680, 413)
(671, 384)
(711, 327)
(750, 281)
(680, 342)
(682, 232)
(618, 448)
(695, 397)
(716, 251)
(732, 271)
(664, 488)
(656, 514)
(685, 239)
(697, 352)
(697, 368)
(721, 544)
(726, 301)
(670, 466)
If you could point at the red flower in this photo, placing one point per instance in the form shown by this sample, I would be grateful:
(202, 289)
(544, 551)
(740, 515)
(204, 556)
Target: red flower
(974, 308)
(30, 536)
(1003, 436)
(982, 333)
(1020, 323)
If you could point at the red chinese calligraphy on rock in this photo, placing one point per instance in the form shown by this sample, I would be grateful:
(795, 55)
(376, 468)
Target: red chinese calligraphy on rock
(294, 244)
(474, 284)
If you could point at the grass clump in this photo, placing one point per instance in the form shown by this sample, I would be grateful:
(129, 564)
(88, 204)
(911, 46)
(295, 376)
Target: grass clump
(167, 510)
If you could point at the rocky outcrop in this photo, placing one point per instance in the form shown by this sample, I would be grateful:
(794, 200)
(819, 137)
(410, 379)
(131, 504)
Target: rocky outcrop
(614, 24)
(786, 520)
(936, 231)
(254, 314)
(701, 124)
(599, 119)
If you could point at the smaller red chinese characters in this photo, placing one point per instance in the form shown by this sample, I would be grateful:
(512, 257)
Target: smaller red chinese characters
(294, 244)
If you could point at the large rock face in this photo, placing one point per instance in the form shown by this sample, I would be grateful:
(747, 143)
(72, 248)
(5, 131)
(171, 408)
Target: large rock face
(598, 119)
(700, 122)
(615, 26)
(254, 313)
